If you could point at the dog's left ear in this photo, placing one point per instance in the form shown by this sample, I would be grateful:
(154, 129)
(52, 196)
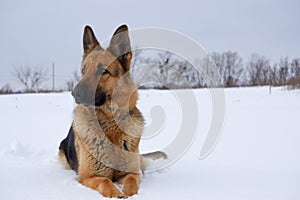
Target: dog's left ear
(89, 40)
(120, 47)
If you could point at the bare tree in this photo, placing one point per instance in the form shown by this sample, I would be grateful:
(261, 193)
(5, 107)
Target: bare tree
(273, 75)
(230, 66)
(283, 71)
(258, 68)
(177, 72)
(136, 57)
(163, 70)
(193, 74)
(295, 67)
(210, 77)
(30, 77)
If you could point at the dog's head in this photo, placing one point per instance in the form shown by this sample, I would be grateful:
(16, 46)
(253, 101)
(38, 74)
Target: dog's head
(105, 72)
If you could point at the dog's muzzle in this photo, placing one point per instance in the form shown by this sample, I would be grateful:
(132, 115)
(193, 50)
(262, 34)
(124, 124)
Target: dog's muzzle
(83, 96)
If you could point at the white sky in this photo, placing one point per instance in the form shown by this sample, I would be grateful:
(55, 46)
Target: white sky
(35, 32)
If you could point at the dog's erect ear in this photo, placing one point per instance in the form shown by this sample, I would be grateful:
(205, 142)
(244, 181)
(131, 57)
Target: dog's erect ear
(120, 46)
(89, 40)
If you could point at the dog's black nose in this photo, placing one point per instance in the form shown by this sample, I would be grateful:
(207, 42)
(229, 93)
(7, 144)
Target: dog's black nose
(75, 94)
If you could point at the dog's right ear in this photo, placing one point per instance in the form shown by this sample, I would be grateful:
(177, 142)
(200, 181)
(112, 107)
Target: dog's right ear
(89, 40)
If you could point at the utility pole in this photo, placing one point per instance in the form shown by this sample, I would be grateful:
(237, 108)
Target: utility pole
(53, 75)
(270, 80)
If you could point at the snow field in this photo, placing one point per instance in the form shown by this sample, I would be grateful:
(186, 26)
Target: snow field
(257, 156)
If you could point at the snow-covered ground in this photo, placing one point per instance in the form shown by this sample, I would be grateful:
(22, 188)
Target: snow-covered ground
(257, 157)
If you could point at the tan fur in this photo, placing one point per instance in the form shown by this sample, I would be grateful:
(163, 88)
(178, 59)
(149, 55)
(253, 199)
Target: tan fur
(63, 161)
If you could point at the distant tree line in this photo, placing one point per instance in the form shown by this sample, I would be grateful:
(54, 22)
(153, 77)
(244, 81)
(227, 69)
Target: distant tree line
(164, 70)
(6, 89)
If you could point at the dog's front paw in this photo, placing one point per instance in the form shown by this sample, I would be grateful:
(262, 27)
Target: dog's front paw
(131, 186)
(107, 189)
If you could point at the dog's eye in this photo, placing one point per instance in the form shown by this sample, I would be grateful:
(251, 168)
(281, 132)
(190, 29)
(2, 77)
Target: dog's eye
(83, 71)
(102, 71)
(106, 72)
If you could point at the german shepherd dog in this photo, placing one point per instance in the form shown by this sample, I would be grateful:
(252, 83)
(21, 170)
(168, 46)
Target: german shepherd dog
(103, 141)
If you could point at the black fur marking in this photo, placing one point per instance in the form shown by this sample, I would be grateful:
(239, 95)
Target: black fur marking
(125, 145)
(100, 97)
(68, 147)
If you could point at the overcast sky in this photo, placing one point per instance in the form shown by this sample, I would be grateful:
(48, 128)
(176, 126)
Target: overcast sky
(35, 32)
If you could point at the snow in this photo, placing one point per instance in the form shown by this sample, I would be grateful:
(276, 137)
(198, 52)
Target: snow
(257, 156)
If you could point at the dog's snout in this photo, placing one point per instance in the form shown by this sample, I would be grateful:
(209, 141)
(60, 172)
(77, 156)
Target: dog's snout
(84, 95)
(75, 93)
(79, 94)
(72, 93)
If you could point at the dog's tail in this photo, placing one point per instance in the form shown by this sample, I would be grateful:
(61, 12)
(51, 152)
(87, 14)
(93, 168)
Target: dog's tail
(155, 155)
(148, 157)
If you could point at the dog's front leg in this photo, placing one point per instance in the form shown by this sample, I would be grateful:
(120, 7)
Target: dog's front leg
(104, 185)
(131, 184)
